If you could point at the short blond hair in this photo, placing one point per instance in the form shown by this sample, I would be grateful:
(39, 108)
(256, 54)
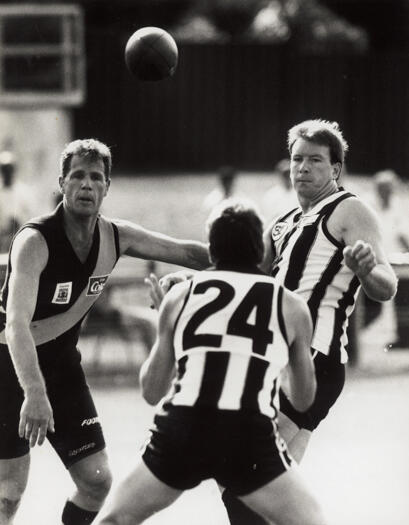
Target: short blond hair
(320, 132)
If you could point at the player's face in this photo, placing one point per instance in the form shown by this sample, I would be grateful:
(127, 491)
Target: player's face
(312, 173)
(85, 186)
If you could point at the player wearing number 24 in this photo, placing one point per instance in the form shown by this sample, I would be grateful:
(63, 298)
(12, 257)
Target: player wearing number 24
(224, 337)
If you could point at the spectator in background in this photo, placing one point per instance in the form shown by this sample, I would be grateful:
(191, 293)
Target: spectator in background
(225, 188)
(15, 205)
(390, 204)
(281, 197)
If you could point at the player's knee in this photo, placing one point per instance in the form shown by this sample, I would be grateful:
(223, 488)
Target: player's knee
(10, 497)
(8, 507)
(97, 484)
(101, 484)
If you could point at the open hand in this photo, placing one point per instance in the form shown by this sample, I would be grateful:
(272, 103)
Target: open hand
(36, 418)
(156, 291)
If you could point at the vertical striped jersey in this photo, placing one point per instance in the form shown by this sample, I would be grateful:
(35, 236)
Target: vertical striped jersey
(309, 261)
(230, 343)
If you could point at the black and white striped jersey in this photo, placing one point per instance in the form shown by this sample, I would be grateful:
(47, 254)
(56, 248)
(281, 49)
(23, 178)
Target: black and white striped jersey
(309, 261)
(230, 343)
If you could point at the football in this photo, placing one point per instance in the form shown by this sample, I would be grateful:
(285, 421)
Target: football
(151, 54)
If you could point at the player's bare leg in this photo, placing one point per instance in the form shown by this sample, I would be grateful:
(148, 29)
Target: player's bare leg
(297, 441)
(13, 481)
(93, 479)
(139, 496)
(286, 501)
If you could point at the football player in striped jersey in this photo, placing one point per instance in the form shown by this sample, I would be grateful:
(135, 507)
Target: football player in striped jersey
(223, 339)
(325, 250)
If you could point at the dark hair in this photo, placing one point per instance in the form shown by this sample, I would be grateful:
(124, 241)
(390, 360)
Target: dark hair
(235, 233)
(320, 132)
(91, 148)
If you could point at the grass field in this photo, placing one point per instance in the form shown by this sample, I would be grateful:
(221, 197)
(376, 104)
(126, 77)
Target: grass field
(358, 460)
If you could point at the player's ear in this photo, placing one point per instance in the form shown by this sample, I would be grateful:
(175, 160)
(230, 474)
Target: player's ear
(61, 184)
(336, 170)
(108, 184)
(212, 261)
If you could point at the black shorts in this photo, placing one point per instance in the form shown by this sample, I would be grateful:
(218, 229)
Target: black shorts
(241, 452)
(330, 376)
(78, 432)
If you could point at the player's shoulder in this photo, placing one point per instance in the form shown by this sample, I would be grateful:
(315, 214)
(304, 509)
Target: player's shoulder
(177, 293)
(354, 209)
(128, 231)
(29, 246)
(173, 301)
(121, 224)
(131, 230)
(29, 238)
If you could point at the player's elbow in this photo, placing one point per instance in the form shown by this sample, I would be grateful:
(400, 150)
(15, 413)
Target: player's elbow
(150, 397)
(385, 293)
(149, 390)
(304, 398)
(14, 326)
(383, 287)
(305, 403)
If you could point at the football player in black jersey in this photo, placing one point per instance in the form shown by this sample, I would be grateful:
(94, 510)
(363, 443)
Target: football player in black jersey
(58, 266)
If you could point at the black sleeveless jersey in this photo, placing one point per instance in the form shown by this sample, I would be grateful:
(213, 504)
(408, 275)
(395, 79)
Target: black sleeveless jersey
(67, 288)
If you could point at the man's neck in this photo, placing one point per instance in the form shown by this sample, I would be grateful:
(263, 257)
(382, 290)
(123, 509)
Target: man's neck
(307, 204)
(78, 228)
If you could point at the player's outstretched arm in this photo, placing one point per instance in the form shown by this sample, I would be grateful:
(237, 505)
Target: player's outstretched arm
(136, 241)
(157, 371)
(28, 259)
(363, 252)
(301, 371)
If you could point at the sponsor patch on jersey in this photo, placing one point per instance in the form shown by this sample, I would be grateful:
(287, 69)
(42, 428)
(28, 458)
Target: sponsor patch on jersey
(279, 230)
(62, 294)
(96, 284)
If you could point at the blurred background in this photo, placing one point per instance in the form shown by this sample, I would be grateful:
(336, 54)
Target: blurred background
(248, 70)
